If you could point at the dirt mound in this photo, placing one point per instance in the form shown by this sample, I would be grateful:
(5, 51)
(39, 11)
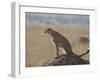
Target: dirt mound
(66, 59)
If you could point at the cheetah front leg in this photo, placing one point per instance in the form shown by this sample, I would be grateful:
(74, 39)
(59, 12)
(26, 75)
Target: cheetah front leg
(57, 50)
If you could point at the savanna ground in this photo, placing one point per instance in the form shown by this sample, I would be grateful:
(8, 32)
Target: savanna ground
(39, 48)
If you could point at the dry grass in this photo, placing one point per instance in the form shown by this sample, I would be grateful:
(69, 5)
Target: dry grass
(39, 48)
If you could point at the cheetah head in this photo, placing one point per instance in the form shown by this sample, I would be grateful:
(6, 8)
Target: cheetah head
(48, 30)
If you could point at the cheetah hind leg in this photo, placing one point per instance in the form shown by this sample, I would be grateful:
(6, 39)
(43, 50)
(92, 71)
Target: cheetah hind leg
(69, 52)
